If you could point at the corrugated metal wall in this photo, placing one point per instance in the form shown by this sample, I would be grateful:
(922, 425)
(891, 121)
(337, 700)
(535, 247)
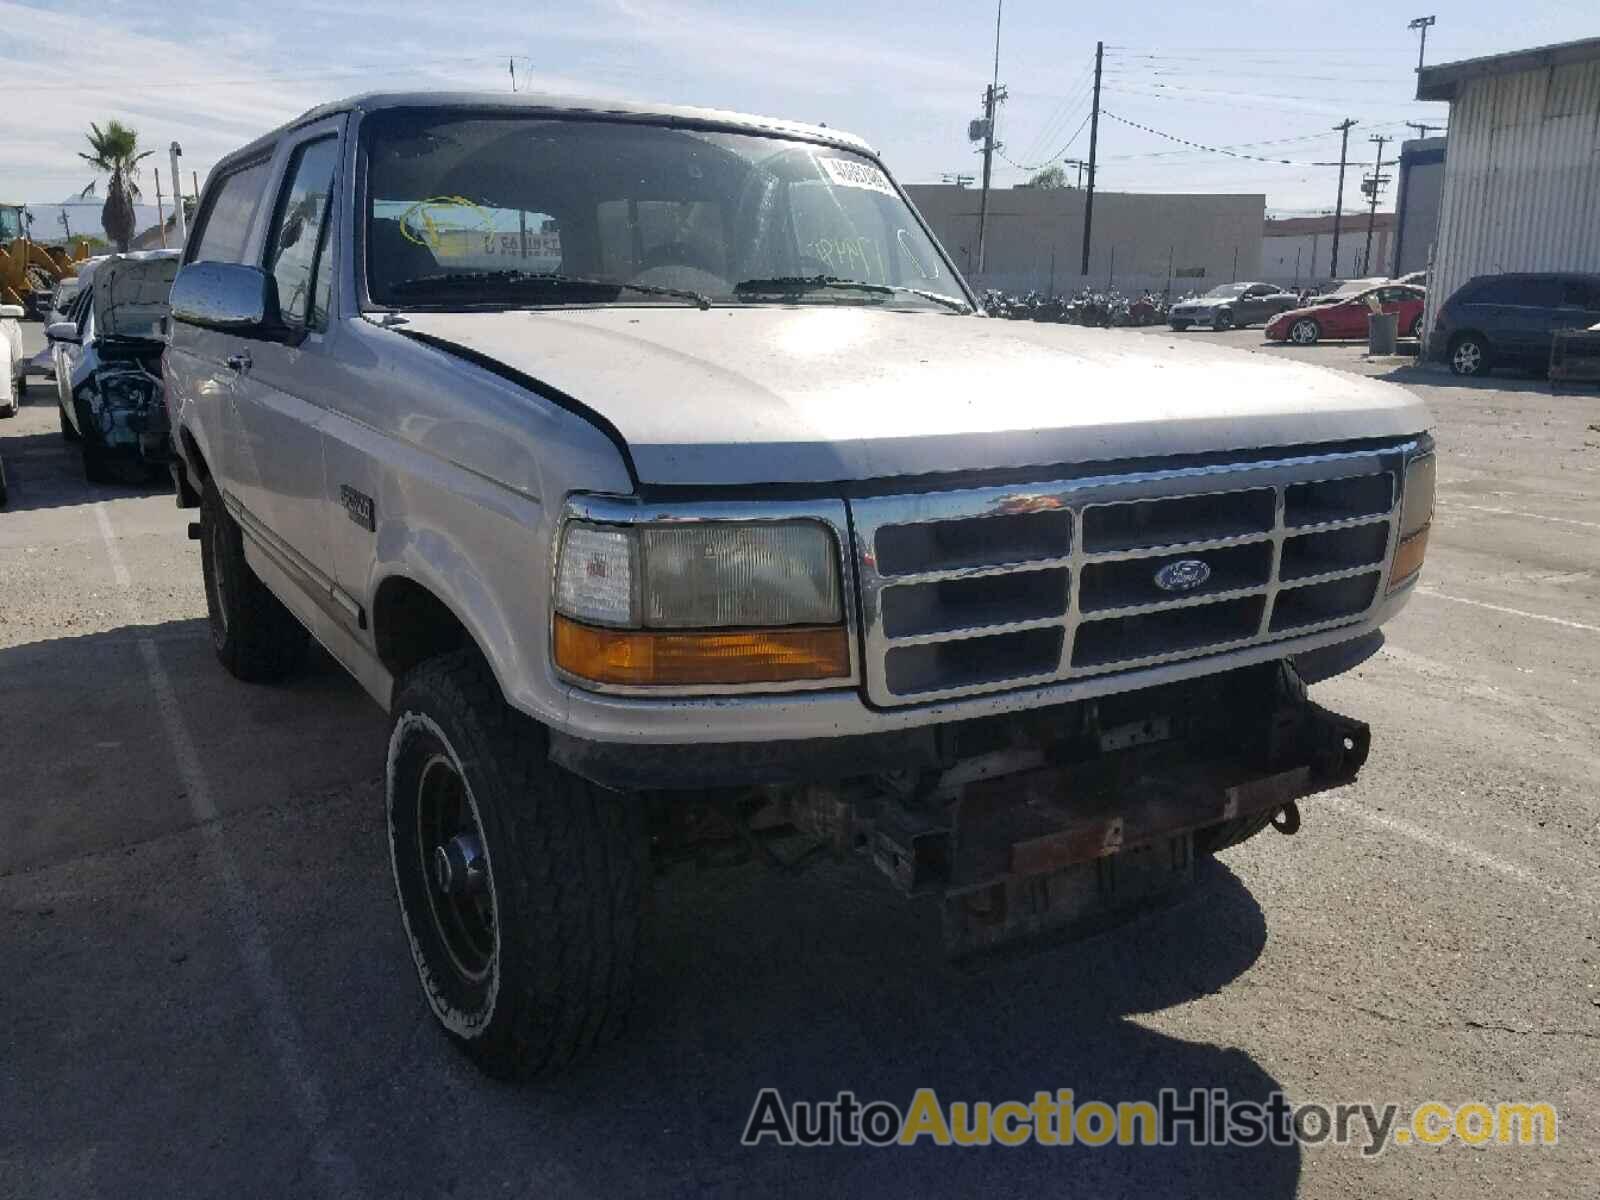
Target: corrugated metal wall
(1522, 178)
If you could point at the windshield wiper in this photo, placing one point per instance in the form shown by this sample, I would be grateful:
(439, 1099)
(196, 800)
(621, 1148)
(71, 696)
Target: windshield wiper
(456, 280)
(795, 285)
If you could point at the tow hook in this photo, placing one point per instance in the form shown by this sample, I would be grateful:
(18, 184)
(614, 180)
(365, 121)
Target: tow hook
(1287, 820)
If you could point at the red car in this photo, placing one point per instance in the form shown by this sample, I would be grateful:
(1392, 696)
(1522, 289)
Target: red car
(1347, 317)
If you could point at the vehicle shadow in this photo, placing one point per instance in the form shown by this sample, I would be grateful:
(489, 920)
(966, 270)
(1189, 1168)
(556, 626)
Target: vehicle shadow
(812, 983)
(44, 470)
(1496, 381)
(89, 765)
(827, 984)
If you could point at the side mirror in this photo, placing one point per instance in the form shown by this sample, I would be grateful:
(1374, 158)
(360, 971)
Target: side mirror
(61, 331)
(229, 298)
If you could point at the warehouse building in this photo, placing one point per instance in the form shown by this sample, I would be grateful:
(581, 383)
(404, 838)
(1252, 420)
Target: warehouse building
(1522, 178)
(1035, 237)
(1417, 204)
(1298, 251)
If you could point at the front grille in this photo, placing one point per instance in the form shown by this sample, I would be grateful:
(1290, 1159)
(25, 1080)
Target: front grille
(967, 592)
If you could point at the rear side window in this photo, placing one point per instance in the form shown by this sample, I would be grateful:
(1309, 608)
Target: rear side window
(1534, 292)
(225, 224)
(297, 226)
(1580, 293)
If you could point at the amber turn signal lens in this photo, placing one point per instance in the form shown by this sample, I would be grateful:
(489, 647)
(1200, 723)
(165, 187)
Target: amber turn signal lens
(1408, 558)
(645, 658)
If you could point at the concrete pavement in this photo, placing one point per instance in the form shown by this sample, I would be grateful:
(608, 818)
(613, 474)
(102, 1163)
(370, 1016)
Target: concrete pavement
(206, 990)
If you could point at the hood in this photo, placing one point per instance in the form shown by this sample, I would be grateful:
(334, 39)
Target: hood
(810, 395)
(1290, 315)
(131, 292)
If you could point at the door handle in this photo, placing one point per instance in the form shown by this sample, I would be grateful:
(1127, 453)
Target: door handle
(240, 361)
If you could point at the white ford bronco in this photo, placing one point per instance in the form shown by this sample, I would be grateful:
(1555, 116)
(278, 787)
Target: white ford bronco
(659, 475)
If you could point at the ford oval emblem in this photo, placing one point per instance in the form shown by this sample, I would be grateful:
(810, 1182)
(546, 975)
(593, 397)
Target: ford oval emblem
(1182, 576)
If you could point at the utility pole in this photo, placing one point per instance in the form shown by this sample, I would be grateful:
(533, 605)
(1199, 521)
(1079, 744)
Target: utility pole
(67, 225)
(992, 95)
(180, 228)
(1075, 162)
(1421, 23)
(1338, 205)
(1094, 140)
(511, 65)
(1422, 127)
(161, 217)
(1372, 187)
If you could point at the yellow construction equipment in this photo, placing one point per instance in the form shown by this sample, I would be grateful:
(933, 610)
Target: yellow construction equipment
(29, 270)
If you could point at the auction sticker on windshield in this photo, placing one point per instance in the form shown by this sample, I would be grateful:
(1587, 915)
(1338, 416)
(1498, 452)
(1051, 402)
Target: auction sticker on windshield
(849, 172)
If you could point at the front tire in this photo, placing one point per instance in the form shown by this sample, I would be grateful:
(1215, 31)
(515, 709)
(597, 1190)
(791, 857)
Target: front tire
(1469, 355)
(1305, 332)
(1223, 321)
(256, 638)
(1416, 328)
(68, 433)
(1179, 326)
(520, 885)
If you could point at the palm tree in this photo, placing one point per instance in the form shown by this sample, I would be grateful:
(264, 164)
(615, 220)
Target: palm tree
(115, 150)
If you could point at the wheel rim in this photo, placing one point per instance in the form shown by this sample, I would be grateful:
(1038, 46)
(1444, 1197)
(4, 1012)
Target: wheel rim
(1467, 357)
(450, 856)
(1304, 332)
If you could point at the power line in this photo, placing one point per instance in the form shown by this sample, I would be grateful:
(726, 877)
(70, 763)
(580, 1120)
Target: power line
(1058, 155)
(1172, 137)
(1207, 91)
(1304, 137)
(1075, 95)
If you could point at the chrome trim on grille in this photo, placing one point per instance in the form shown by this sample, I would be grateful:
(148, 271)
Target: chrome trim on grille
(1075, 496)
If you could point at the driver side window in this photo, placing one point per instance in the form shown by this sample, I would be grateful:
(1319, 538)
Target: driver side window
(298, 224)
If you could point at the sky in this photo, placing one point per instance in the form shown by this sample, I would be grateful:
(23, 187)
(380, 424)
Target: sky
(906, 76)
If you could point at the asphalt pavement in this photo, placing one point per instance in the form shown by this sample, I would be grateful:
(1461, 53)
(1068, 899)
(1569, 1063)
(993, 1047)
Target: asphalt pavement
(206, 990)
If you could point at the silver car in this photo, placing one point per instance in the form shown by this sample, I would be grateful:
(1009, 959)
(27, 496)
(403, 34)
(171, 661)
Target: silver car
(1231, 305)
(658, 474)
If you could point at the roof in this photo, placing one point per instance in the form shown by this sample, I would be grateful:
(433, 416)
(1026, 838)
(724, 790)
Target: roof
(543, 104)
(1352, 222)
(1444, 81)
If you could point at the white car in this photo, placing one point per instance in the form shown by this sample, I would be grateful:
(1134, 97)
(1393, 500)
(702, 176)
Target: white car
(66, 292)
(107, 357)
(12, 378)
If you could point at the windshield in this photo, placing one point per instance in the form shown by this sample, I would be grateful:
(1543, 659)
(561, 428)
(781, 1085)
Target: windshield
(1228, 291)
(470, 211)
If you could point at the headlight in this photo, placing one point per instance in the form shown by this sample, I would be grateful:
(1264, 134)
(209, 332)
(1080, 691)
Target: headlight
(1416, 517)
(700, 603)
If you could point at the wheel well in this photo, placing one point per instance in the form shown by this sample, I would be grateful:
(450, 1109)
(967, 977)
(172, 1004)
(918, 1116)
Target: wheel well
(1460, 335)
(190, 458)
(191, 451)
(412, 625)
